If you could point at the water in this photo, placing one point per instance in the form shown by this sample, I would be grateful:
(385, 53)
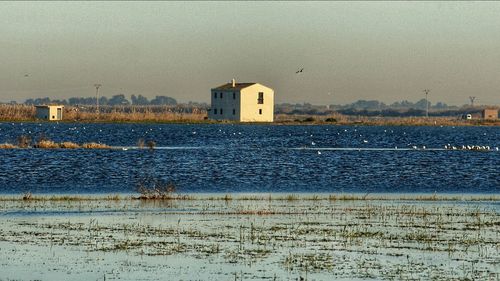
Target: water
(253, 158)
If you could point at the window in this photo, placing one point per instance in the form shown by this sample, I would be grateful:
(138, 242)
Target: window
(260, 100)
(234, 95)
(215, 110)
(260, 111)
(234, 111)
(221, 96)
(221, 111)
(215, 95)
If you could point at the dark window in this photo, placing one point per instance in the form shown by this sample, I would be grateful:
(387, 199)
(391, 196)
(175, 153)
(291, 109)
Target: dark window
(221, 111)
(234, 111)
(215, 95)
(260, 111)
(260, 100)
(234, 95)
(215, 110)
(221, 96)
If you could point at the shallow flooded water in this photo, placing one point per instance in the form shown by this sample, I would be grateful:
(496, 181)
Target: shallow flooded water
(253, 158)
(249, 239)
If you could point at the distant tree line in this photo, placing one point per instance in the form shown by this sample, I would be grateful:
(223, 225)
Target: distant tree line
(113, 101)
(377, 108)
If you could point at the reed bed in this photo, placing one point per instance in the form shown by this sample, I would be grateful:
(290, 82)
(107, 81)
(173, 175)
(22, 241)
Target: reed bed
(95, 145)
(187, 114)
(24, 142)
(7, 146)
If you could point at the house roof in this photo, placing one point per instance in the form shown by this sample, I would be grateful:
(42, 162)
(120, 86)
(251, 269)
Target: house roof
(237, 86)
(49, 105)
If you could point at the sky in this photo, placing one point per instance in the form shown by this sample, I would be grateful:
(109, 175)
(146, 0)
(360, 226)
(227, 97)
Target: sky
(389, 51)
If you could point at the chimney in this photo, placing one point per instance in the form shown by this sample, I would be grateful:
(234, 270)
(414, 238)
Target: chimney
(233, 82)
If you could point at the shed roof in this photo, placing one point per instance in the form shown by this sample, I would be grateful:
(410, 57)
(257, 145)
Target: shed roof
(237, 86)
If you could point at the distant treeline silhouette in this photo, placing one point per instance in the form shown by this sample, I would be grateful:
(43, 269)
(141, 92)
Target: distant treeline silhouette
(376, 108)
(113, 101)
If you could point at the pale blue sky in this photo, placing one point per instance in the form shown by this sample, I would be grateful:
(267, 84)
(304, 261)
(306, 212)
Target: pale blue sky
(363, 50)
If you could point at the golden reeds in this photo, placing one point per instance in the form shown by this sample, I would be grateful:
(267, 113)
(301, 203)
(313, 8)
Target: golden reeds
(95, 145)
(7, 146)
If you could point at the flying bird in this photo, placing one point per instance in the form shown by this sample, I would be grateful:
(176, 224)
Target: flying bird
(299, 71)
(26, 75)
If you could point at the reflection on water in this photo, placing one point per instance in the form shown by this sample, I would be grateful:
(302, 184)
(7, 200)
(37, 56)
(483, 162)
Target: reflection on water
(253, 158)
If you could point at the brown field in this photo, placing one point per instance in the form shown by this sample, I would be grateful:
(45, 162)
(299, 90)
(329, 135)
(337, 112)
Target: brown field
(184, 114)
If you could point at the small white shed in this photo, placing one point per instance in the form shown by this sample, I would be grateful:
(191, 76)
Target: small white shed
(49, 112)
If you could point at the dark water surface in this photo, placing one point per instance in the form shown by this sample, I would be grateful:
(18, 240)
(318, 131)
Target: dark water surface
(253, 158)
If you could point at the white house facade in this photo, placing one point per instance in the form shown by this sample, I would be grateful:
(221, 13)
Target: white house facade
(243, 102)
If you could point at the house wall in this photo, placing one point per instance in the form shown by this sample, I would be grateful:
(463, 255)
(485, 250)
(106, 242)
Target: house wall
(42, 113)
(49, 113)
(227, 103)
(250, 107)
(490, 114)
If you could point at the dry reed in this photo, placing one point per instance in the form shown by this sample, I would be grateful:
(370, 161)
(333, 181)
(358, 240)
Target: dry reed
(46, 144)
(94, 145)
(7, 146)
(69, 145)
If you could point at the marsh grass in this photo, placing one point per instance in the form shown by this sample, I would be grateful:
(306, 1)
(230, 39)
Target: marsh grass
(167, 191)
(95, 145)
(69, 145)
(44, 143)
(7, 146)
(23, 141)
(157, 190)
(140, 143)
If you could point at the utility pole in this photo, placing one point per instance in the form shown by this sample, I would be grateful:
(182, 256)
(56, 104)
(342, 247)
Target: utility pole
(426, 91)
(97, 86)
(472, 101)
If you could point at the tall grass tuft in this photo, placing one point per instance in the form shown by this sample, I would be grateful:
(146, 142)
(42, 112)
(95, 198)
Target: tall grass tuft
(7, 146)
(95, 145)
(46, 144)
(68, 144)
(23, 141)
(158, 190)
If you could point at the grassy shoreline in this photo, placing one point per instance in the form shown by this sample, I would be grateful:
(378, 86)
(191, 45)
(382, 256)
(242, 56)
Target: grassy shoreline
(417, 122)
(256, 197)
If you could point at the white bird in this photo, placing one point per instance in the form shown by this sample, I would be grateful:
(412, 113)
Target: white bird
(496, 148)
(423, 147)
(313, 143)
(319, 152)
(365, 141)
(414, 147)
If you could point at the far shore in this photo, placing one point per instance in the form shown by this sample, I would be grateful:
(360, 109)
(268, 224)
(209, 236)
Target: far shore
(307, 120)
(195, 115)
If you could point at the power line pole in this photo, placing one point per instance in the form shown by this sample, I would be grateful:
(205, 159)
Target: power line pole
(97, 86)
(426, 91)
(472, 101)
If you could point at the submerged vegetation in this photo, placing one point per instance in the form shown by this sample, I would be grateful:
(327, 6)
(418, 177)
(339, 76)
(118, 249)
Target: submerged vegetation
(44, 143)
(321, 239)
